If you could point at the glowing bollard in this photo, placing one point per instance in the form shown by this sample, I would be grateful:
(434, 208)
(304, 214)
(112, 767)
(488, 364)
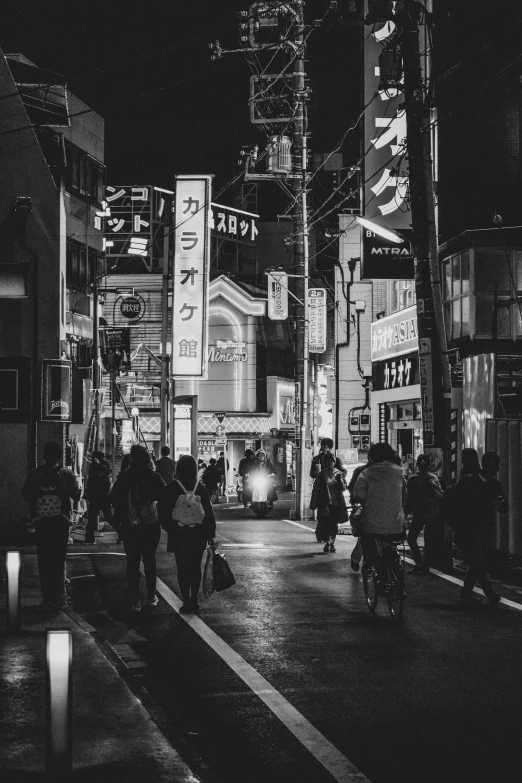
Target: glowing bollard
(13, 591)
(58, 745)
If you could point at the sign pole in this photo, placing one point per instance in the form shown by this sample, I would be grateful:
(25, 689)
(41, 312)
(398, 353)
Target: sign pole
(113, 420)
(164, 387)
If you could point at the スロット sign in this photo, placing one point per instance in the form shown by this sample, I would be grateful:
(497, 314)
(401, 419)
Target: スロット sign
(317, 320)
(191, 264)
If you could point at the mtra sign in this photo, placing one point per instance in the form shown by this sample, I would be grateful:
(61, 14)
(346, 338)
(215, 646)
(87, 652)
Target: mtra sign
(386, 260)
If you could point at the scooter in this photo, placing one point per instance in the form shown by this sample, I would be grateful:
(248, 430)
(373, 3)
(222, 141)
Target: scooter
(260, 483)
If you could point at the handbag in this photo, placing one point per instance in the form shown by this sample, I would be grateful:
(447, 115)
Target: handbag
(356, 520)
(208, 573)
(223, 576)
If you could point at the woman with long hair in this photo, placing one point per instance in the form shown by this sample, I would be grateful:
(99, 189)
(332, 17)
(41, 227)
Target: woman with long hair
(135, 497)
(188, 542)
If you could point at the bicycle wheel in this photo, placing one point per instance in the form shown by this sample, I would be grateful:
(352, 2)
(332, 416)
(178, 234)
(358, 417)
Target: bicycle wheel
(396, 588)
(370, 589)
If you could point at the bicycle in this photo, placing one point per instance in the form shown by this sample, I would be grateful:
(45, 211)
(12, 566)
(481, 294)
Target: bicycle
(385, 577)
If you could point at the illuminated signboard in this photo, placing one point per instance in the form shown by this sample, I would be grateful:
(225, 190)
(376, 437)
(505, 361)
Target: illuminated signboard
(317, 320)
(394, 335)
(230, 223)
(227, 351)
(278, 296)
(133, 219)
(386, 165)
(191, 265)
(396, 373)
(56, 390)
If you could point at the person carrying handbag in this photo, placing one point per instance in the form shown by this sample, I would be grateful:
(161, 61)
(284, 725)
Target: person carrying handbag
(187, 515)
(328, 499)
(135, 497)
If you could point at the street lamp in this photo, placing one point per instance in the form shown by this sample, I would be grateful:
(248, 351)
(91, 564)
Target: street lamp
(391, 236)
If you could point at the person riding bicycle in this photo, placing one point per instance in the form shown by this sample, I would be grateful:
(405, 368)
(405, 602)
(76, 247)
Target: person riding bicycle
(381, 490)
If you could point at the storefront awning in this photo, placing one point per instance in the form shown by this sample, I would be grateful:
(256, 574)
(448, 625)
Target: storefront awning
(240, 424)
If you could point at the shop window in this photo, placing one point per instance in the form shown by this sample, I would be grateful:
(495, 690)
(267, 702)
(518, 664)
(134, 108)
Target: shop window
(417, 411)
(455, 276)
(405, 411)
(402, 294)
(492, 267)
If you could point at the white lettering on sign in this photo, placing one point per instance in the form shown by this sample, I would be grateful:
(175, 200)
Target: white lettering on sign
(397, 374)
(396, 334)
(191, 265)
(277, 296)
(60, 404)
(317, 320)
(287, 410)
(215, 355)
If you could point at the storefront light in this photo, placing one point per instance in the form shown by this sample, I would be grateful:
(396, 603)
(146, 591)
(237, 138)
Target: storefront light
(391, 236)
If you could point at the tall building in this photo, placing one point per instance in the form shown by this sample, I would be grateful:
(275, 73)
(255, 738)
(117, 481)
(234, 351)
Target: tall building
(51, 178)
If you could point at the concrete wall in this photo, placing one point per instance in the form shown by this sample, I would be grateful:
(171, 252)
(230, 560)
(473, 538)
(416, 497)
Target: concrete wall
(351, 392)
(24, 172)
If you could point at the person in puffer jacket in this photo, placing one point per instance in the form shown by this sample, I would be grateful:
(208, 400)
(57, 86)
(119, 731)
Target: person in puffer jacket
(381, 490)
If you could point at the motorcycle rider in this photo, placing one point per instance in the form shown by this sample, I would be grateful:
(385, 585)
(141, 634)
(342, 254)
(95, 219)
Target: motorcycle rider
(263, 465)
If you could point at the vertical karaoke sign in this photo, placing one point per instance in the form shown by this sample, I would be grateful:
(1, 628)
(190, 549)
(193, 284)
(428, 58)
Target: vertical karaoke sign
(191, 268)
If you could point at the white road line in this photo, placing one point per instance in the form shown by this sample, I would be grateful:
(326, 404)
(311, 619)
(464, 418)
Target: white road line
(447, 577)
(341, 769)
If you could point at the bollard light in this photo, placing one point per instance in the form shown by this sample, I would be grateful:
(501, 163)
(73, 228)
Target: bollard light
(58, 746)
(13, 590)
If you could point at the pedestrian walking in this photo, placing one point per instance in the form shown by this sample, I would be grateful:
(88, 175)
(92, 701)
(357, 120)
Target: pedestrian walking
(223, 465)
(327, 445)
(51, 491)
(165, 465)
(424, 499)
(135, 497)
(328, 499)
(381, 490)
(476, 497)
(97, 494)
(244, 468)
(187, 499)
(212, 478)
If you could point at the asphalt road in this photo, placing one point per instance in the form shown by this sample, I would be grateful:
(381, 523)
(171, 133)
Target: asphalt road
(436, 698)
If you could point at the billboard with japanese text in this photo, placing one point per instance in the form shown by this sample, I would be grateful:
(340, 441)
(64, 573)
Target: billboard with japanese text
(133, 220)
(190, 279)
(394, 335)
(317, 320)
(278, 296)
(386, 166)
(231, 223)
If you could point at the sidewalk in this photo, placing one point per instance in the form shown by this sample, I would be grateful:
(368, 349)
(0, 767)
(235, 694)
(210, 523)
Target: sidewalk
(113, 734)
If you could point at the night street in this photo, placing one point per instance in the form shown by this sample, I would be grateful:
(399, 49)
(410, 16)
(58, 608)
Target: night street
(420, 700)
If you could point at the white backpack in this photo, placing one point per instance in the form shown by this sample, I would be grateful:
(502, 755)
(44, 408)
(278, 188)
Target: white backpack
(188, 509)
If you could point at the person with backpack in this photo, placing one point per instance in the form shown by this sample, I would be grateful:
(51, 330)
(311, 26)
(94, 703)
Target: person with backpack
(97, 494)
(424, 498)
(51, 491)
(470, 509)
(135, 497)
(188, 518)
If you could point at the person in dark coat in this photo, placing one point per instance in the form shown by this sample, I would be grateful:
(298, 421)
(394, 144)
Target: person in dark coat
(479, 495)
(328, 499)
(97, 494)
(424, 497)
(327, 445)
(136, 495)
(244, 468)
(223, 465)
(51, 490)
(165, 466)
(357, 553)
(188, 542)
(212, 478)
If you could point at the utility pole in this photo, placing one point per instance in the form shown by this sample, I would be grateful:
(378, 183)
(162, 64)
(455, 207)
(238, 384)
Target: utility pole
(433, 357)
(301, 270)
(164, 383)
(96, 360)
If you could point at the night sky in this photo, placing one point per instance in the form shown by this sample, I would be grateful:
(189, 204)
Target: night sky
(146, 68)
